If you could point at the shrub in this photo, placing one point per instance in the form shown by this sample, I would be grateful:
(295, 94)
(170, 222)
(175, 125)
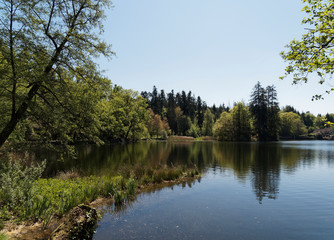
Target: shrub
(16, 181)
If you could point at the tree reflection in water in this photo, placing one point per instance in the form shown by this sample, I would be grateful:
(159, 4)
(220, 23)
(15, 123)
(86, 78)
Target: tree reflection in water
(258, 163)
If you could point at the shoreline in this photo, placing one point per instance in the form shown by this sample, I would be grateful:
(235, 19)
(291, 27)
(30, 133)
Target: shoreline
(36, 230)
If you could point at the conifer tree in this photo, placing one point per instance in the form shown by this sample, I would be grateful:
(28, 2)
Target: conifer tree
(162, 103)
(191, 106)
(200, 115)
(258, 108)
(155, 103)
(273, 119)
(184, 103)
(171, 116)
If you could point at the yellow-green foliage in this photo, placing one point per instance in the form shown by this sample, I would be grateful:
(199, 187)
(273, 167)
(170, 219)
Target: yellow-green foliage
(59, 196)
(313, 53)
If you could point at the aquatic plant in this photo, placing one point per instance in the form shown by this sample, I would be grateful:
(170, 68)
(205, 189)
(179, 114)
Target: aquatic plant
(131, 187)
(158, 176)
(119, 197)
(45, 198)
(138, 172)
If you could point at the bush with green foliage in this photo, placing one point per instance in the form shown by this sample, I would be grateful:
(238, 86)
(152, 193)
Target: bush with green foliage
(234, 125)
(291, 125)
(194, 130)
(16, 182)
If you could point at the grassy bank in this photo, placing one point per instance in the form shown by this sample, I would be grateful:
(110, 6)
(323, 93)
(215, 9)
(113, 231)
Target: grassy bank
(47, 199)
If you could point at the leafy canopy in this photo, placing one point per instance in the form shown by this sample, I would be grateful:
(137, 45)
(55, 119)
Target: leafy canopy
(314, 53)
(42, 43)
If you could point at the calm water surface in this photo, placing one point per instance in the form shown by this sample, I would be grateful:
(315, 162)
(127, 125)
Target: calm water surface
(279, 190)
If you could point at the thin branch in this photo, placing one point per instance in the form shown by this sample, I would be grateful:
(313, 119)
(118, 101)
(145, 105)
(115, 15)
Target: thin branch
(48, 26)
(57, 99)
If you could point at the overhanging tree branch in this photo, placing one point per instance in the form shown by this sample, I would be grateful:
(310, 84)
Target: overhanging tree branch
(26, 44)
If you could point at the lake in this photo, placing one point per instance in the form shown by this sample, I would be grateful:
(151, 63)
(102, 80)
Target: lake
(281, 190)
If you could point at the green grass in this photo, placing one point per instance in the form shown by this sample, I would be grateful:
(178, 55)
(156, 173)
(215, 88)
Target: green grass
(49, 197)
(54, 196)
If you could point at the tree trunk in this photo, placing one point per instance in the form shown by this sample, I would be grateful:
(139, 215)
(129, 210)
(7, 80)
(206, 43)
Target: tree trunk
(9, 128)
(127, 133)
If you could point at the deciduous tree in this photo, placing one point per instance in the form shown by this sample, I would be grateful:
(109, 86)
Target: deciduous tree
(123, 115)
(223, 128)
(40, 41)
(208, 123)
(241, 118)
(313, 53)
(292, 125)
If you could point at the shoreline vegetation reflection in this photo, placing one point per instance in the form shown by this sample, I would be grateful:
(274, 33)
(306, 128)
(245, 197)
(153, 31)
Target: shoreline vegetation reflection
(109, 207)
(260, 163)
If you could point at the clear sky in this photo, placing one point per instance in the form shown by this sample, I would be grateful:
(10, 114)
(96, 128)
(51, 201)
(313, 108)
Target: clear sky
(218, 49)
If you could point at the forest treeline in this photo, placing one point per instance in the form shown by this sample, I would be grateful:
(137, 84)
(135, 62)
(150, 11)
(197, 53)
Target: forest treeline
(97, 111)
(260, 119)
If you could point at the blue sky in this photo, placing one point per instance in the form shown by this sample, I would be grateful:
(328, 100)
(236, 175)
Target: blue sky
(218, 49)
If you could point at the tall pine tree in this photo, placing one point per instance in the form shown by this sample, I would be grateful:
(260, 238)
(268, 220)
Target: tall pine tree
(273, 119)
(258, 108)
(171, 116)
(200, 114)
